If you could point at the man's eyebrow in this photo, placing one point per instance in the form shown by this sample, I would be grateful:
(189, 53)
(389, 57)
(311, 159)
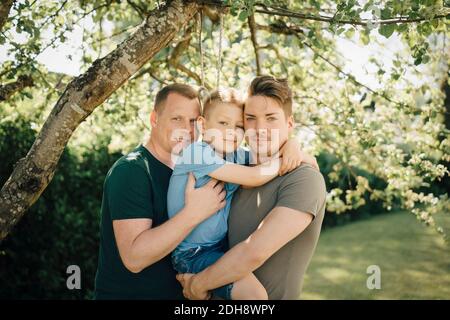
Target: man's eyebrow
(267, 114)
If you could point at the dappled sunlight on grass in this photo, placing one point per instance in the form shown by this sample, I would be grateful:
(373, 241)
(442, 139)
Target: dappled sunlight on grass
(414, 261)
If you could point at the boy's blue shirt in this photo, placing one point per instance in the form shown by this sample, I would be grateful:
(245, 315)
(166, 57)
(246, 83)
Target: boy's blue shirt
(200, 159)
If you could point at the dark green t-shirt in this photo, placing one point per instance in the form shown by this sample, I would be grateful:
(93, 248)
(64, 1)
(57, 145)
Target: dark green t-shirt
(135, 187)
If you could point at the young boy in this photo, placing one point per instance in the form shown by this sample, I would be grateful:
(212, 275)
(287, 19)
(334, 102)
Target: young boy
(218, 156)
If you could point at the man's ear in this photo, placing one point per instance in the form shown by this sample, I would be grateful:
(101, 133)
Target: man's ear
(291, 123)
(153, 118)
(200, 124)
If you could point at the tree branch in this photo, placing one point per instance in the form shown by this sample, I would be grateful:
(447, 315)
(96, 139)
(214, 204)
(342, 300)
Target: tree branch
(288, 30)
(151, 71)
(252, 27)
(350, 76)
(33, 173)
(55, 38)
(174, 59)
(7, 90)
(277, 53)
(212, 14)
(330, 19)
(280, 28)
(140, 11)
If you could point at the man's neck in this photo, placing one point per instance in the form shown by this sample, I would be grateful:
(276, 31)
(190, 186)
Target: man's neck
(158, 152)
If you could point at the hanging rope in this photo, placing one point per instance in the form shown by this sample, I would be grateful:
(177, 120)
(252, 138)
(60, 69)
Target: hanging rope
(201, 48)
(219, 59)
(202, 92)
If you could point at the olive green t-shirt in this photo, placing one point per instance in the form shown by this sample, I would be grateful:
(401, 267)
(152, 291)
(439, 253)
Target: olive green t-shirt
(135, 187)
(303, 189)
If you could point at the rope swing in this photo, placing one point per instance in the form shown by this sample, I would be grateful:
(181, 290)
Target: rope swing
(202, 75)
(219, 55)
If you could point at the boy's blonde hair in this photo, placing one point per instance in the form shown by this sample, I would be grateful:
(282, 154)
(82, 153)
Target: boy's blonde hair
(222, 95)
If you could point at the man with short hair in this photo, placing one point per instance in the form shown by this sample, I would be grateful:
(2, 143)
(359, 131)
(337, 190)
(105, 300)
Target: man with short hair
(136, 235)
(273, 229)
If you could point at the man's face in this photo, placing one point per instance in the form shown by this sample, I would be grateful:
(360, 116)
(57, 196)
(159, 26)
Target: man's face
(266, 125)
(173, 125)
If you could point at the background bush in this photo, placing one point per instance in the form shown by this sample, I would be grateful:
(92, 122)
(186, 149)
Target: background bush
(61, 228)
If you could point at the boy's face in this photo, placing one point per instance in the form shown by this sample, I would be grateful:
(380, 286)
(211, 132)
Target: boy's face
(223, 128)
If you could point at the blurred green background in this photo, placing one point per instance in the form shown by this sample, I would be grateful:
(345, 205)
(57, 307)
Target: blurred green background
(371, 102)
(62, 229)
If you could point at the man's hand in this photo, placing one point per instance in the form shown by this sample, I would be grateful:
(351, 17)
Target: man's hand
(189, 291)
(292, 156)
(200, 203)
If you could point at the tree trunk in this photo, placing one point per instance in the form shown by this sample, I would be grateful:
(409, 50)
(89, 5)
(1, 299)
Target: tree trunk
(5, 7)
(33, 173)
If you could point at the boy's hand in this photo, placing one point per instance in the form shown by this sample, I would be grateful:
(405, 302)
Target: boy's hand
(292, 156)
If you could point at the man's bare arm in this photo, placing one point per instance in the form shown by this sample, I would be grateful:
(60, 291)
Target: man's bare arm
(280, 226)
(140, 245)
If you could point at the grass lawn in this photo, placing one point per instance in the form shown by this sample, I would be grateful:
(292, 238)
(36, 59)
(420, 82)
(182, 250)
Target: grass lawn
(414, 260)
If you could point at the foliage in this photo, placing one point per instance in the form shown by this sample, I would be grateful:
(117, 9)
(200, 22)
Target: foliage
(396, 132)
(381, 145)
(61, 229)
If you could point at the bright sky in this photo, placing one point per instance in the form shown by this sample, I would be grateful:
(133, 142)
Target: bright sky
(356, 56)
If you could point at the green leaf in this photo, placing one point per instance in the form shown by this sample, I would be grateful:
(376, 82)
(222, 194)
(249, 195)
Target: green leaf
(425, 58)
(386, 30)
(243, 15)
(402, 27)
(418, 60)
(340, 30)
(350, 33)
(364, 37)
(28, 95)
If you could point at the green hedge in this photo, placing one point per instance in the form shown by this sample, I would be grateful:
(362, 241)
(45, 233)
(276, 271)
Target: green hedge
(61, 229)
